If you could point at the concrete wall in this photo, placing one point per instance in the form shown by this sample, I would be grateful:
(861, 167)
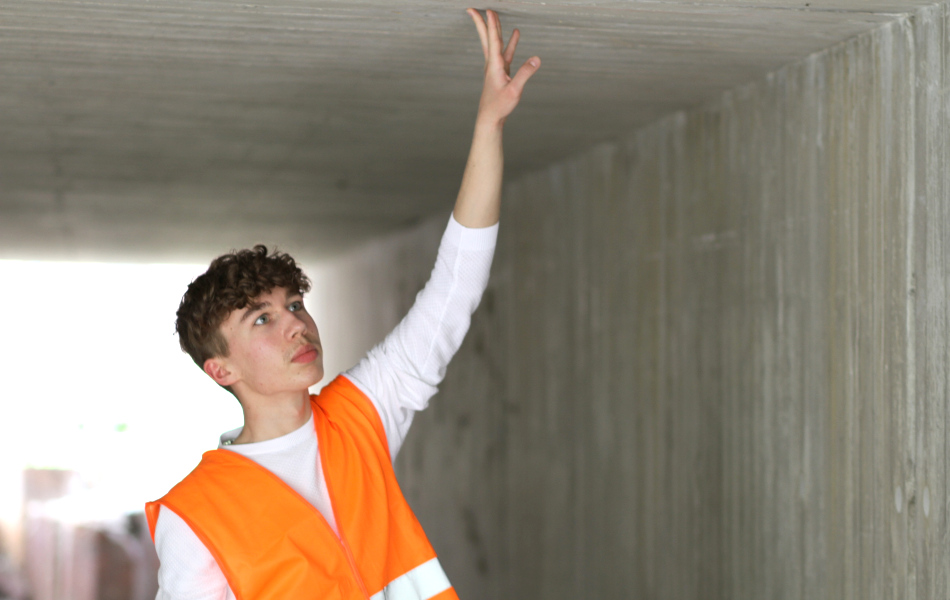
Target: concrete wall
(713, 358)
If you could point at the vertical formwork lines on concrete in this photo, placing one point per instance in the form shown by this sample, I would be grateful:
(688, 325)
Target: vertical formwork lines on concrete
(719, 352)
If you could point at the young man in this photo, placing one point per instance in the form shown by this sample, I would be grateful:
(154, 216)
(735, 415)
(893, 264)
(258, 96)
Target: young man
(302, 502)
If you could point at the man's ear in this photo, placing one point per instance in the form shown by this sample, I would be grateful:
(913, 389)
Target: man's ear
(218, 369)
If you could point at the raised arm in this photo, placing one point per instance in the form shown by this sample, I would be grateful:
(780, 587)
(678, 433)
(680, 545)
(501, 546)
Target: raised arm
(479, 198)
(403, 372)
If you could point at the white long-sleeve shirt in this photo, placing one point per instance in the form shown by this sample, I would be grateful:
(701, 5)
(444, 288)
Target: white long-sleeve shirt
(398, 376)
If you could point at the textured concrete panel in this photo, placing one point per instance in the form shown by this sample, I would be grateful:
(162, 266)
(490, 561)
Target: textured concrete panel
(174, 130)
(712, 361)
(929, 505)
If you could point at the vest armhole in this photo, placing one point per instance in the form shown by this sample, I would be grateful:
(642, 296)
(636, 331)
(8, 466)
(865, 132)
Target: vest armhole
(204, 541)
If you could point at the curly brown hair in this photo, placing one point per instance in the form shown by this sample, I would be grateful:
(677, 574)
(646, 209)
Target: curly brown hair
(232, 281)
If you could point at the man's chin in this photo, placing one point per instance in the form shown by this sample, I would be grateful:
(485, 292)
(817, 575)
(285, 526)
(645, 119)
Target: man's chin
(316, 377)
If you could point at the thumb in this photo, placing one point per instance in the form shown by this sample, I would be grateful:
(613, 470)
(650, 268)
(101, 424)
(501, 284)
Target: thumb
(529, 68)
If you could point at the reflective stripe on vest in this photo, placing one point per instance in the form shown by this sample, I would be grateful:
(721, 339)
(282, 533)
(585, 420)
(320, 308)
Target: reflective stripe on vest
(425, 581)
(272, 544)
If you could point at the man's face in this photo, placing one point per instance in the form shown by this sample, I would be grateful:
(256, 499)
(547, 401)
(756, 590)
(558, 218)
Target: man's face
(274, 347)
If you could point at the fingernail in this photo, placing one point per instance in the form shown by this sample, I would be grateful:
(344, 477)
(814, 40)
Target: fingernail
(534, 62)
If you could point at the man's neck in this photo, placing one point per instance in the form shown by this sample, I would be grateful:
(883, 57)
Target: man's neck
(269, 418)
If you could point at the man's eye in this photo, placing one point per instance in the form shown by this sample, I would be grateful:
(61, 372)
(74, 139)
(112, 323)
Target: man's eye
(295, 306)
(261, 320)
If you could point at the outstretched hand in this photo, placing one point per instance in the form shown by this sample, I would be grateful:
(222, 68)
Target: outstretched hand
(501, 91)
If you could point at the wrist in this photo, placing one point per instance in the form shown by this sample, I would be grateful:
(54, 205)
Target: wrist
(489, 124)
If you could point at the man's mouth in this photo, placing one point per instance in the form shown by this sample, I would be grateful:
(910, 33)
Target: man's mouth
(305, 354)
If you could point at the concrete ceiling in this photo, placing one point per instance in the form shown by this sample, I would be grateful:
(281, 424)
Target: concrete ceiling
(173, 130)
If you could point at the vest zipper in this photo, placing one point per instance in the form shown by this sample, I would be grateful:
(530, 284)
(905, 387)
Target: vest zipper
(349, 557)
(342, 538)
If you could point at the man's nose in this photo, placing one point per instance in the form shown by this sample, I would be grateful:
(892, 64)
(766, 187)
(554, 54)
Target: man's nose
(296, 324)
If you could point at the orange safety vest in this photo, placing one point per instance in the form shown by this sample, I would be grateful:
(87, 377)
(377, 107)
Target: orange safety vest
(271, 544)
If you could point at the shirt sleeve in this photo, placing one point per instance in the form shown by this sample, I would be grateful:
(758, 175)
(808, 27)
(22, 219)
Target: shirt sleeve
(403, 372)
(187, 570)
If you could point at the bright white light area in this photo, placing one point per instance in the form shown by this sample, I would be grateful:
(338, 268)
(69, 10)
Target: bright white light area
(93, 378)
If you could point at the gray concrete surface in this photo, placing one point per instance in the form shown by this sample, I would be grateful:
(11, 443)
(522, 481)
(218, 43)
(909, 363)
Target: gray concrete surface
(713, 360)
(171, 130)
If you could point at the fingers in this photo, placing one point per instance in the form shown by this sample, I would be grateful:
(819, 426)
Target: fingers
(482, 30)
(529, 68)
(512, 44)
(495, 43)
(489, 31)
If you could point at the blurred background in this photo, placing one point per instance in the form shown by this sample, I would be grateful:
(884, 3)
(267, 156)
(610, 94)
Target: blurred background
(711, 361)
(101, 411)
